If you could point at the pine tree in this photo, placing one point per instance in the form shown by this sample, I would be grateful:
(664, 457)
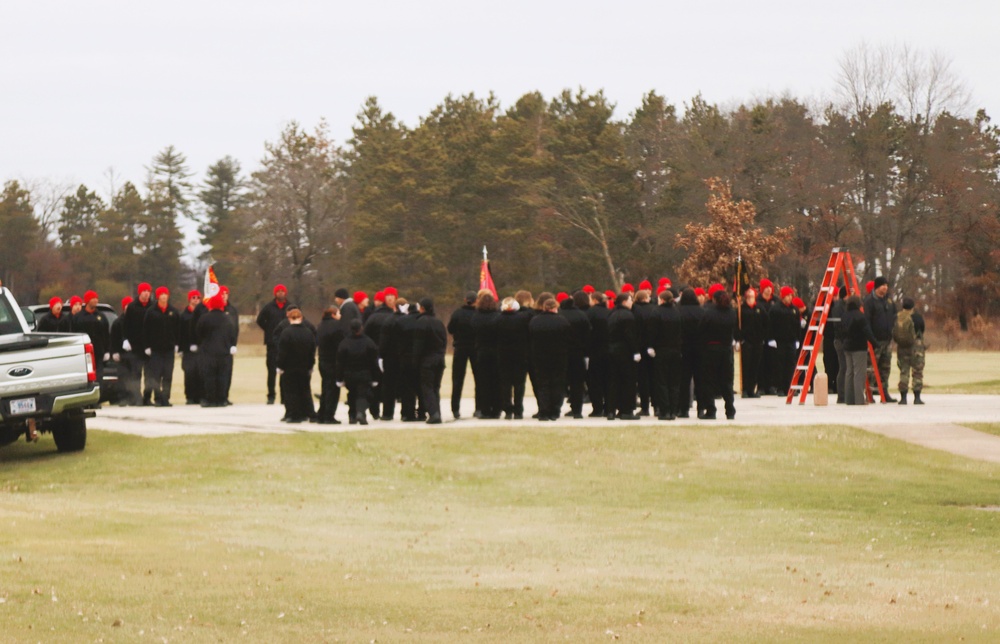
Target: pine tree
(223, 192)
(19, 237)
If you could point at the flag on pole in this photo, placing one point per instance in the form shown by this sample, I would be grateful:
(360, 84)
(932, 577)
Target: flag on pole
(211, 283)
(486, 277)
(742, 281)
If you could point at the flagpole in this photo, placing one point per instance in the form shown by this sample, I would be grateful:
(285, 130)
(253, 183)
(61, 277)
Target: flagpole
(739, 308)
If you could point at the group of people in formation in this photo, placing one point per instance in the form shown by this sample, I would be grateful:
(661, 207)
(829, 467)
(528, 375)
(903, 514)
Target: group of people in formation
(147, 334)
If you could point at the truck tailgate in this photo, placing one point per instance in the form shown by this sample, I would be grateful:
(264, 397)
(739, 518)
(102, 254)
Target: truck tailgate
(58, 365)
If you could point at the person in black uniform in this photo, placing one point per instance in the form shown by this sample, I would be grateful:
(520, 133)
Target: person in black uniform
(512, 361)
(857, 333)
(357, 368)
(429, 344)
(92, 322)
(623, 347)
(768, 360)
(388, 362)
(234, 319)
(330, 333)
(376, 319)
(881, 313)
(752, 335)
(410, 408)
(296, 358)
(464, 349)
(487, 371)
(598, 363)
(645, 313)
(718, 329)
(664, 337)
(54, 321)
(549, 334)
(785, 329)
(348, 307)
(578, 346)
(160, 338)
(270, 316)
(834, 329)
(691, 313)
(134, 351)
(215, 339)
(117, 338)
(189, 348)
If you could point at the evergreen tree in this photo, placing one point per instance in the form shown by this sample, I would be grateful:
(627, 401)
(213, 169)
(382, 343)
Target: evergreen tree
(222, 194)
(19, 238)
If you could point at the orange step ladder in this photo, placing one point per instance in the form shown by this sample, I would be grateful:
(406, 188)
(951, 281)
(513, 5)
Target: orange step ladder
(840, 266)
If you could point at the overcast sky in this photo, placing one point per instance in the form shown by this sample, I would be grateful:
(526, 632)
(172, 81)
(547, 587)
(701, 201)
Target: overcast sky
(94, 85)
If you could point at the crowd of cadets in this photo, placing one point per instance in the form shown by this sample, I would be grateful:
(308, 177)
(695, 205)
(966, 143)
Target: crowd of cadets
(637, 353)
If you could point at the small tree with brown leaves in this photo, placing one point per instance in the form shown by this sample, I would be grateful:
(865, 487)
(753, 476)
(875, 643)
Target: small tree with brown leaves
(713, 249)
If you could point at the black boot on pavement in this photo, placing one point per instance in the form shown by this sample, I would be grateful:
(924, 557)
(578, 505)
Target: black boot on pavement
(902, 397)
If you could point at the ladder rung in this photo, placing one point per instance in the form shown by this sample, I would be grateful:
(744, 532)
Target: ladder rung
(829, 269)
(801, 367)
(818, 308)
(795, 387)
(809, 348)
(814, 328)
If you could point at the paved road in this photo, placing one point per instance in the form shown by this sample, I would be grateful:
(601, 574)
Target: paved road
(935, 425)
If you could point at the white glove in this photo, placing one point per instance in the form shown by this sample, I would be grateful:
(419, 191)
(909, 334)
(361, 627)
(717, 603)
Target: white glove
(736, 346)
(193, 348)
(651, 352)
(232, 350)
(117, 357)
(381, 367)
(802, 323)
(148, 352)
(404, 308)
(797, 345)
(586, 363)
(374, 384)
(772, 343)
(637, 357)
(127, 345)
(339, 383)
(177, 349)
(279, 371)
(107, 356)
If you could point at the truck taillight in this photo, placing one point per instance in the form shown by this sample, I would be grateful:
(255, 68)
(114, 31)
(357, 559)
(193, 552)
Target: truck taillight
(89, 359)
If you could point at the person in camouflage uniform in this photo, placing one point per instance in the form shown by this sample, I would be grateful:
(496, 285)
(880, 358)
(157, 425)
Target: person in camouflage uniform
(910, 356)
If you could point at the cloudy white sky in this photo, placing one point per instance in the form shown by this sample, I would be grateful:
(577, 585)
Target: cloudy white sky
(94, 85)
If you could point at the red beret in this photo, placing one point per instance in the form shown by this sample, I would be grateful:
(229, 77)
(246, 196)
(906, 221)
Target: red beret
(359, 297)
(560, 296)
(54, 301)
(750, 290)
(786, 291)
(644, 285)
(279, 287)
(699, 291)
(628, 288)
(75, 300)
(145, 286)
(126, 301)
(661, 288)
(870, 286)
(215, 303)
(194, 293)
(390, 290)
(798, 303)
(766, 283)
(162, 290)
(90, 295)
(664, 281)
(587, 288)
(715, 288)
(610, 294)
(223, 289)
(380, 296)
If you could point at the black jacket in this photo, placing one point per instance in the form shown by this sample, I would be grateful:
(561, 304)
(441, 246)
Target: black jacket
(549, 335)
(460, 328)
(512, 337)
(376, 323)
(691, 315)
(160, 328)
(579, 337)
(329, 335)
(135, 320)
(214, 334)
(296, 349)
(185, 328)
(270, 316)
(94, 325)
(667, 333)
(858, 332)
(598, 317)
(784, 323)
(623, 334)
(718, 328)
(484, 323)
(753, 324)
(49, 323)
(357, 360)
(430, 339)
(881, 314)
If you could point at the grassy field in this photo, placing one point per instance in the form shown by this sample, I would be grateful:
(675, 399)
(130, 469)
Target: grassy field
(633, 533)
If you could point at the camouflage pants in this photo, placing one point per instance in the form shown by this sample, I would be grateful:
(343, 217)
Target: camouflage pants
(883, 357)
(911, 358)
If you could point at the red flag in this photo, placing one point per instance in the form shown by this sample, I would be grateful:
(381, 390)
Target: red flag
(486, 277)
(211, 283)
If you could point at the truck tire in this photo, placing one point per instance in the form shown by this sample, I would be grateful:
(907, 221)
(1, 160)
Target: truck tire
(70, 434)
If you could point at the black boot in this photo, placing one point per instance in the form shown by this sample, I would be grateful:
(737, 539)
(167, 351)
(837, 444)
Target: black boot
(902, 397)
(916, 398)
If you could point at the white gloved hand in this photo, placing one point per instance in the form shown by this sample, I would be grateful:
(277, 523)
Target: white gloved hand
(232, 350)
(193, 348)
(736, 346)
(404, 308)
(802, 323)
(148, 352)
(374, 384)
(651, 351)
(586, 363)
(106, 357)
(797, 345)
(339, 383)
(127, 345)
(772, 343)
(117, 357)
(279, 371)
(637, 357)
(381, 366)
(177, 349)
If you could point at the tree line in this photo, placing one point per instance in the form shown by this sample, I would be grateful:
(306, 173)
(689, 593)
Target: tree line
(561, 191)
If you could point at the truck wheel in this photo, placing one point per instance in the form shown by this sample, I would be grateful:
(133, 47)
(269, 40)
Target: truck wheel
(70, 434)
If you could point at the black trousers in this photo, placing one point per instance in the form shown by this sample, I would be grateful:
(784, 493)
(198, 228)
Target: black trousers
(513, 374)
(329, 396)
(213, 377)
(431, 372)
(621, 386)
(644, 381)
(409, 379)
(766, 378)
(192, 377)
(272, 369)
(691, 371)
(550, 388)
(597, 381)
(751, 353)
(576, 376)
(487, 375)
(717, 372)
(666, 382)
(159, 376)
(784, 366)
(461, 359)
(389, 387)
(297, 394)
(359, 393)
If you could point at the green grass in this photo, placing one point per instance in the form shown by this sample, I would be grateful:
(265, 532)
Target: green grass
(648, 534)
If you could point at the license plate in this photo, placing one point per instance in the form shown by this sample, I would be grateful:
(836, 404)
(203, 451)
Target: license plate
(22, 406)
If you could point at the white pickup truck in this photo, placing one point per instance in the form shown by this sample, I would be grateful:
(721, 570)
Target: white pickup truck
(48, 381)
